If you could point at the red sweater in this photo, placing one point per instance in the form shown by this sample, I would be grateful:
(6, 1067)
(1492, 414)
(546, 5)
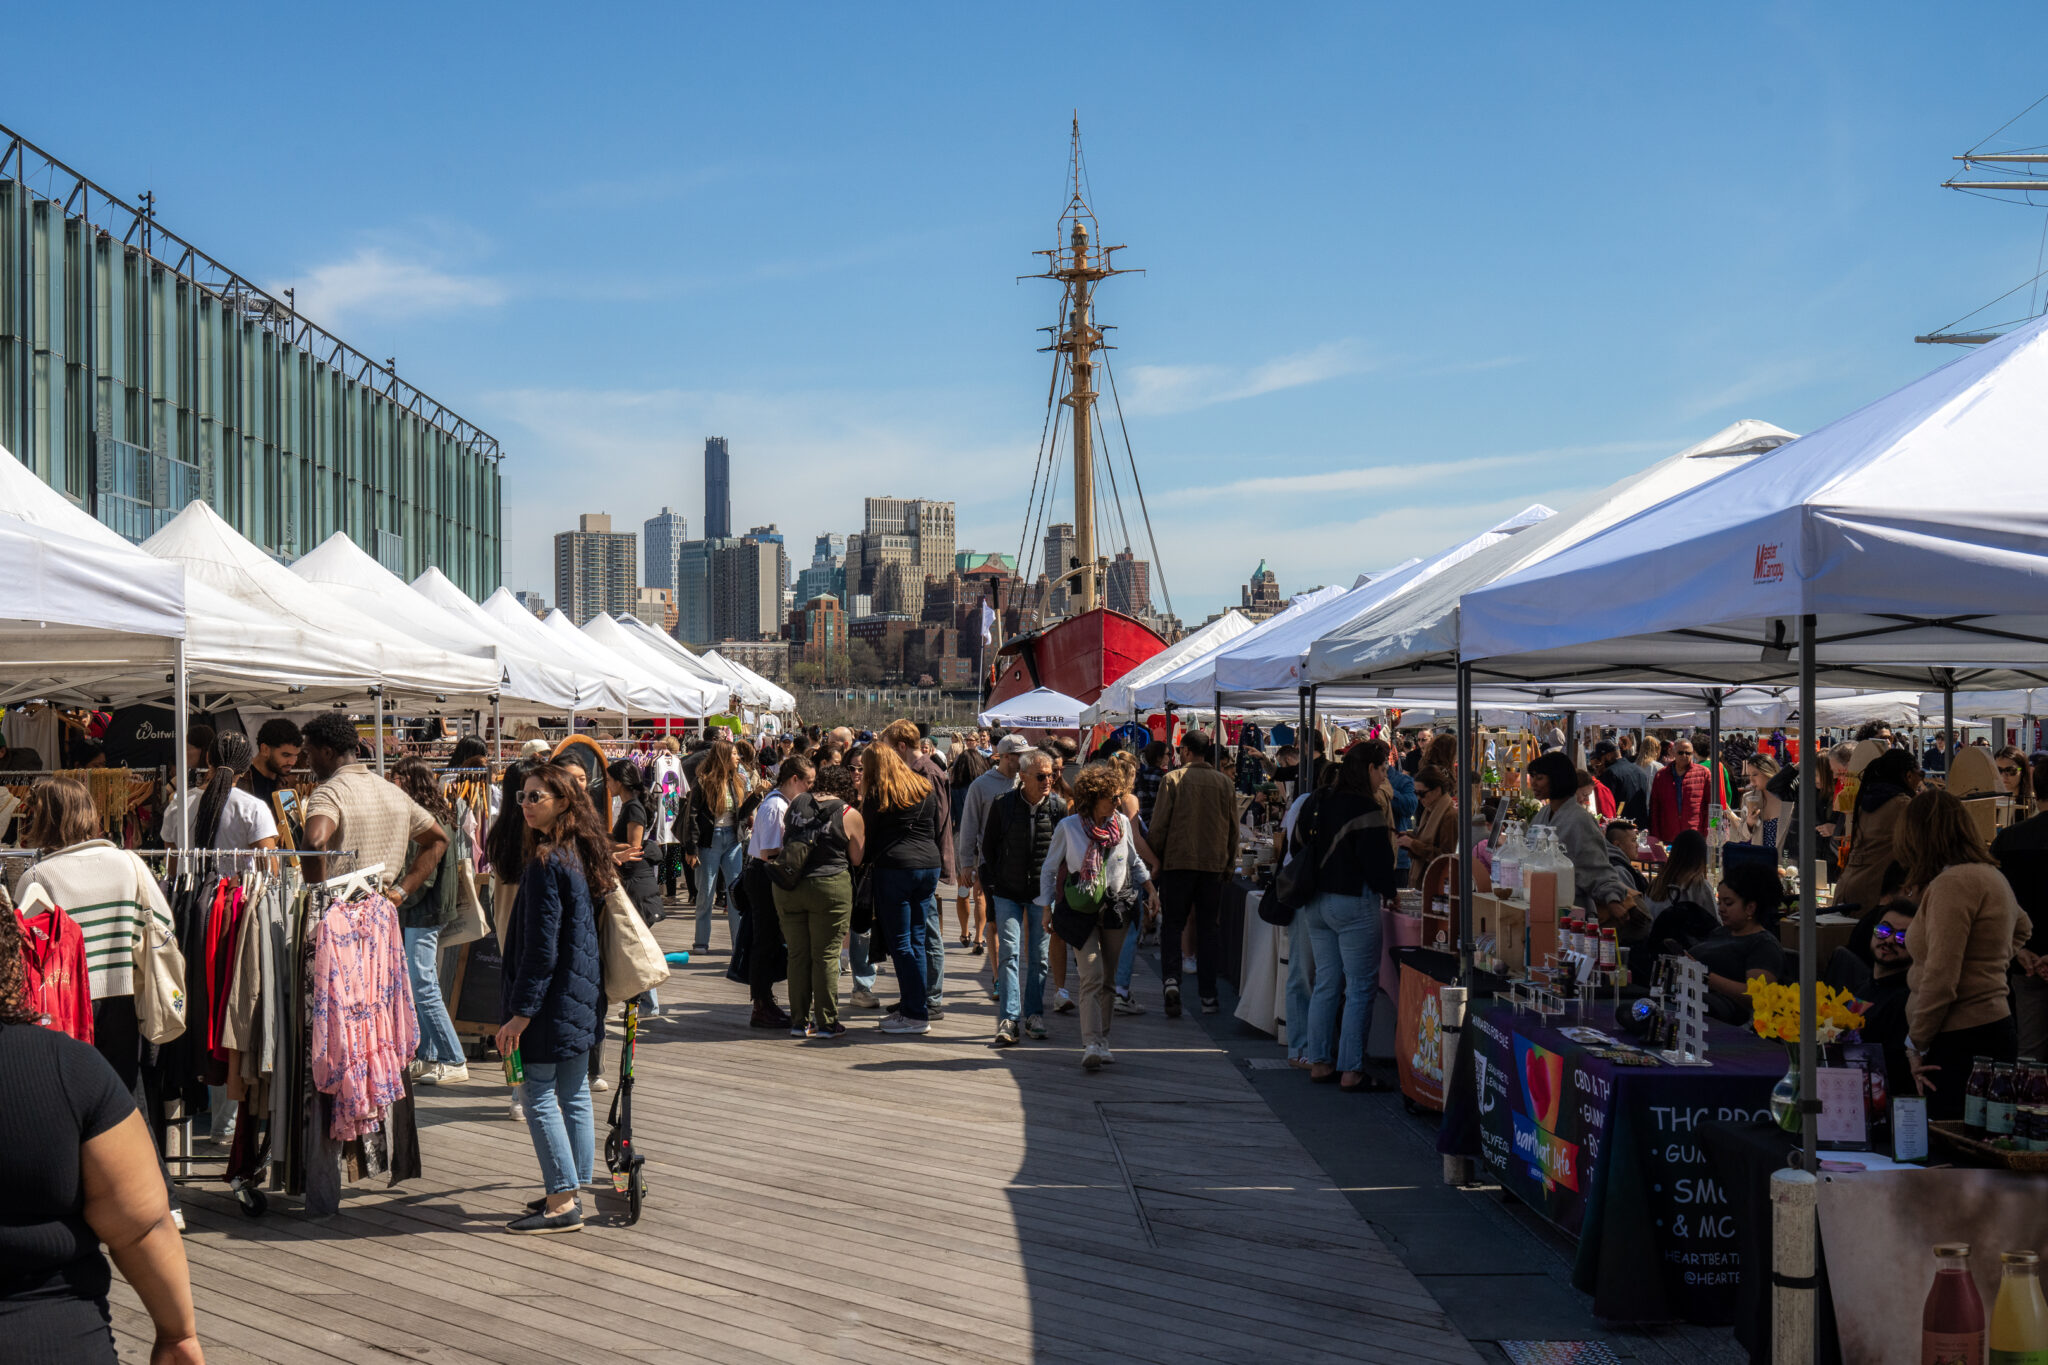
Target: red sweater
(53, 952)
(1677, 806)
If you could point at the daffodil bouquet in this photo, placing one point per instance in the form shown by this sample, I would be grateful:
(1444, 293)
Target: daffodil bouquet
(1837, 1015)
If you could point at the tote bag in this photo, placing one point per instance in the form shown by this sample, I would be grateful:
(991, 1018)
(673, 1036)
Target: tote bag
(159, 981)
(470, 924)
(633, 961)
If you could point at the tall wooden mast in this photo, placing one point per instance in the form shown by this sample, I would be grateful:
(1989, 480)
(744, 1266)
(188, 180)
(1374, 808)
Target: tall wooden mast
(1079, 268)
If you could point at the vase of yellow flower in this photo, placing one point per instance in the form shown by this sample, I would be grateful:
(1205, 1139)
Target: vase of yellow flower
(1837, 1017)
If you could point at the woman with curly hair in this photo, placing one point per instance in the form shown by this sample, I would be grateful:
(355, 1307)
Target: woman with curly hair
(553, 999)
(900, 811)
(1092, 884)
(78, 1169)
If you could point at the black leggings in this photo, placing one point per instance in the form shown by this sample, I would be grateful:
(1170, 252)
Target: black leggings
(1954, 1050)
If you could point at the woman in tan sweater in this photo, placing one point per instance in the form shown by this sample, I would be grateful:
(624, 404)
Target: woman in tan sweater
(1436, 823)
(1962, 941)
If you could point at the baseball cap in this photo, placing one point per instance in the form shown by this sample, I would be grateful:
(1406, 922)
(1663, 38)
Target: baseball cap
(535, 748)
(1014, 744)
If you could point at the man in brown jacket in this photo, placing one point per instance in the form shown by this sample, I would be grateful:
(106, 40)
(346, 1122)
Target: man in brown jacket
(1194, 834)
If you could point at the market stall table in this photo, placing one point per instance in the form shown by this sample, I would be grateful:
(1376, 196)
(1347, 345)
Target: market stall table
(1610, 1153)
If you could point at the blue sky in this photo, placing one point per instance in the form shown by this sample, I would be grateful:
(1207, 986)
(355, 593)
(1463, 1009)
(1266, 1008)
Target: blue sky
(1410, 268)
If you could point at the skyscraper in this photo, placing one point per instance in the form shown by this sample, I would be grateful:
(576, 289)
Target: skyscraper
(826, 575)
(1059, 559)
(912, 534)
(697, 591)
(717, 489)
(594, 569)
(1130, 585)
(747, 588)
(662, 548)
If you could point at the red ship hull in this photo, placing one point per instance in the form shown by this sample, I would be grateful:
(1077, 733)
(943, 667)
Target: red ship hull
(1078, 656)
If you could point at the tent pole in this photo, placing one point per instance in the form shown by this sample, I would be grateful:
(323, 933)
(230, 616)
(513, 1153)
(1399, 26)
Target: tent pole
(1948, 726)
(1571, 737)
(497, 728)
(1309, 742)
(181, 699)
(1304, 752)
(378, 693)
(1809, 932)
(1465, 849)
(1714, 753)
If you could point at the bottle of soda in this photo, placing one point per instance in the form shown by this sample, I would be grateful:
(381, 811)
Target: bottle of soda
(1999, 1107)
(1973, 1096)
(1952, 1319)
(515, 1068)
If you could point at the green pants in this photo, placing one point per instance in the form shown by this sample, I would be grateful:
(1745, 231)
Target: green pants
(814, 919)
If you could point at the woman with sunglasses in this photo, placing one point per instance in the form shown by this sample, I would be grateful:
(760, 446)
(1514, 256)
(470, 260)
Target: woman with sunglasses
(553, 998)
(2018, 777)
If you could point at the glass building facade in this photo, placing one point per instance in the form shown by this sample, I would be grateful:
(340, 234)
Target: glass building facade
(137, 373)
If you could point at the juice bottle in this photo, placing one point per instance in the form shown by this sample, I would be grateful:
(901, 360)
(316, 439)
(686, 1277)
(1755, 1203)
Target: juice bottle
(515, 1068)
(2019, 1317)
(1973, 1096)
(1952, 1321)
(1999, 1109)
(2032, 1123)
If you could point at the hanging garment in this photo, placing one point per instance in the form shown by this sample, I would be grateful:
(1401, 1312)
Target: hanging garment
(222, 927)
(364, 1031)
(665, 789)
(53, 956)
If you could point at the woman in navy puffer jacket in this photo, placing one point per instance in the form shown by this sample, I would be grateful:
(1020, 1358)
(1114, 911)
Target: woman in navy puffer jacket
(553, 995)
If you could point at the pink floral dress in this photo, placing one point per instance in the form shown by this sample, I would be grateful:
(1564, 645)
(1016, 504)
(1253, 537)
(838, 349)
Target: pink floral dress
(364, 1030)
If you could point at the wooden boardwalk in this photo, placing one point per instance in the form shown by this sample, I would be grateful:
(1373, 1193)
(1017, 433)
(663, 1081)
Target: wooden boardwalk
(881, 1200)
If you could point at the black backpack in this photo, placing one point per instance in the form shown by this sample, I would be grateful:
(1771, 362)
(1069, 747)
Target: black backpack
(805, 825)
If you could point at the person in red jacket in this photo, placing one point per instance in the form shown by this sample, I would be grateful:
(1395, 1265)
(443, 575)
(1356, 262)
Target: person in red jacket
(1678, 796)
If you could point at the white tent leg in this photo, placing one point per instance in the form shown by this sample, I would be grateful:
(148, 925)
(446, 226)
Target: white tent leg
(380, 731)
(181, 703)
(497, 730)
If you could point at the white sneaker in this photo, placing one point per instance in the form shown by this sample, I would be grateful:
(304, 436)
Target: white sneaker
(1091, 1058)
(1063, 1003)
(1126, 1004)
(600, 1084)
(897, 1023)
(417, 1068)
(449, 1073)
(1108, 1057)
(518, 1111)
(429, 1073)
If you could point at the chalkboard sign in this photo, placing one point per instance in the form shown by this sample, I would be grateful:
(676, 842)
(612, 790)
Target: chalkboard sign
(476, 987)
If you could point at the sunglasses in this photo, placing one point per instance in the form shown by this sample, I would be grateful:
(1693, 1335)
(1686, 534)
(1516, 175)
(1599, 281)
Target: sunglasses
(1885, 933)
(2004, 771)
(529, 798)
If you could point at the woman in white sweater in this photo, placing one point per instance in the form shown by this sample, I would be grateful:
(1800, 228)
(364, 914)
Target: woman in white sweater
(1090, 883)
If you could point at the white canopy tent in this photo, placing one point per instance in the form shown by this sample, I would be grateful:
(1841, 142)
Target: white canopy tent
(757, 689)
(214, 553)
(646, 693)
(1271, 660)
(597, 677)
(1412, 640)
(591, 691)
(76, 612)
(233, 651)
(1194, 682)
(1039, 709)
(346, 569)
(671, 648)
(1904, 543)
(1117, 698)
(608, 634)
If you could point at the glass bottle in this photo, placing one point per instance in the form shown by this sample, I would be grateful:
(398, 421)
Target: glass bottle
(1952, 1320)
(2019, 1316)
(1610, 950)
(1999, 1110)
(2031, 1123)
(1973, 1096)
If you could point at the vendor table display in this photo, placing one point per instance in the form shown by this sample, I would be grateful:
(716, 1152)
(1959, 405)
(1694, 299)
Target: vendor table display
(1608, 1149)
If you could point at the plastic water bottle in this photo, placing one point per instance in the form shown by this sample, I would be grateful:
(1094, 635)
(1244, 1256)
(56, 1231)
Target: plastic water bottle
(1507, 860)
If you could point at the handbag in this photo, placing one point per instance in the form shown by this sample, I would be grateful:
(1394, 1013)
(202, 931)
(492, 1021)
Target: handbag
(1294, 885)
(470, 923)
(633, 961)
(159, 981)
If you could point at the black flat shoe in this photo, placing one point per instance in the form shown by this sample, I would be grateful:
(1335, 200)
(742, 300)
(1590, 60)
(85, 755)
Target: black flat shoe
(1328, 1079)
(1371, 1085)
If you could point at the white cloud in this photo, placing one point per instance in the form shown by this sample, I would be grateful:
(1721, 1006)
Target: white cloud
(1379, 479)
(377, 283)
(1156, 390)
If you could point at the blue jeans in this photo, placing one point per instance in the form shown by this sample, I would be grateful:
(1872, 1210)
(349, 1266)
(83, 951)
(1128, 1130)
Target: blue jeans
(438, 1042)
(558, 1120)
(1127, 961)
(1344, 933)
(1016, 923)
(1301, 975)
(935, 951)
(718, 867)
(905, 901)
(861, 963)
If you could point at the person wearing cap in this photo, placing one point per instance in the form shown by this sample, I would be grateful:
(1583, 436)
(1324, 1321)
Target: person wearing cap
(981, 794)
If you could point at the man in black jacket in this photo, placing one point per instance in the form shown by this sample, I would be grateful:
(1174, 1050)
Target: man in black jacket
(1630, 786)
(1015, 837)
